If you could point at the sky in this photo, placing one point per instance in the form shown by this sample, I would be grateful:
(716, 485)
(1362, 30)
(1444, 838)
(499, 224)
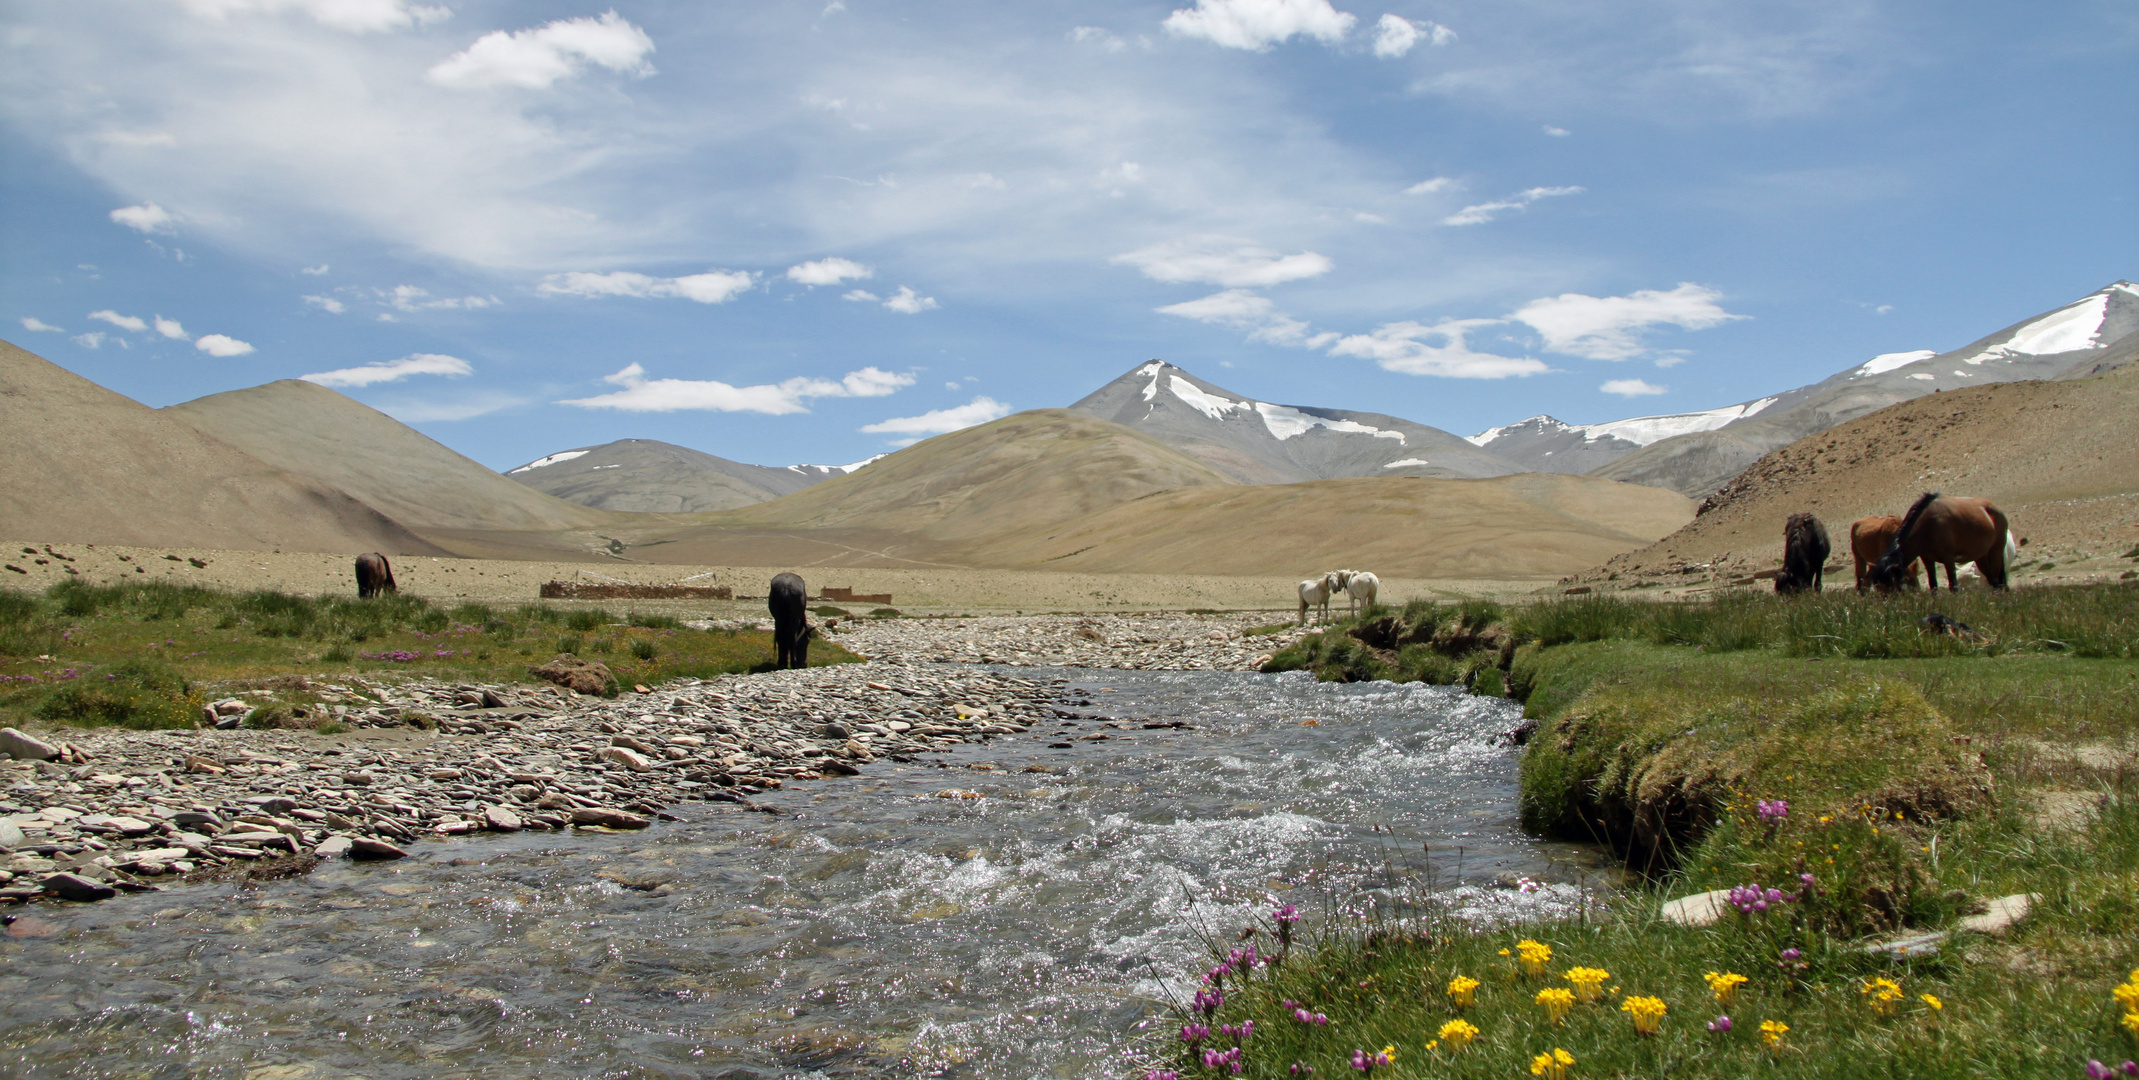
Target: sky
(787, 232)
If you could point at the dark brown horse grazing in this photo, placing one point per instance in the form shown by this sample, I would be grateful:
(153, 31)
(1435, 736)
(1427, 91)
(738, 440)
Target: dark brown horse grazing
(1868, 539)
(1805, 550)
(374, 575)
(1946, 531)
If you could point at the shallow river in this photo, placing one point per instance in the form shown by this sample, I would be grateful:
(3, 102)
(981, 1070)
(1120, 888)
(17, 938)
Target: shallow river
(873, 927)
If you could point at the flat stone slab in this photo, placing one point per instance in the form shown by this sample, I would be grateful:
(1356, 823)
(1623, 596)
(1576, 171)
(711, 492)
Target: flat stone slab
(1700, 909)
(2003, 913)
(334, 847)
(26, 747)
(77, 887)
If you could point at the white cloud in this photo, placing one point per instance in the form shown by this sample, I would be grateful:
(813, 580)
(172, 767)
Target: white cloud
(1394, 35)
(1404, 347)
(711, 287)
(31, 322)
(533, 59)
(859, 295)
(939, 421)
(221, 345)
(828, 272)
(1605, 327)
(1484, 212)
(1093, 35)
(1256, 25)
(354, 16)
(641, 394)
(412, 299)
(326, 303)
(148, 218)
(907, 302)
(123, 322)
(1557, 132)
(169, 328)
(393, 371)
(1219, 260)
(90, 340)
(1632, 388)
(315, 271)
(1434, 186)
(422, 410)
(1243, 310)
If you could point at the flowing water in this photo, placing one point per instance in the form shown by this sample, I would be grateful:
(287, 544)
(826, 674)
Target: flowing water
(928, 919)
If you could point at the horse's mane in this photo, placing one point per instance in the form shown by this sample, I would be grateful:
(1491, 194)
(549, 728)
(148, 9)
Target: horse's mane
(1908, 521)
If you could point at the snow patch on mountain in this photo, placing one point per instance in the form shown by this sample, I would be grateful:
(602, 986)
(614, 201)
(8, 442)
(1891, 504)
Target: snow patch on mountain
(1282, 421)
(827, 470)
(565, 455)
(1885, 362)
(1407, 463)
(2071, 328)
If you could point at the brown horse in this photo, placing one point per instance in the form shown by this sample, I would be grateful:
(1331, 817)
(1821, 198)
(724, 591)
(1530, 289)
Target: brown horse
(1868, 539)
(1804, 559)
(1943, 531)
(374, 575)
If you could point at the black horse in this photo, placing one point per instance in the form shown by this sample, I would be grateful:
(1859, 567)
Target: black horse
(374, 575)
(1805, 552)
(791, 631)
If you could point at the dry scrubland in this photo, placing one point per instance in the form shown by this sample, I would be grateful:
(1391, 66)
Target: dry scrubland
(495, 581)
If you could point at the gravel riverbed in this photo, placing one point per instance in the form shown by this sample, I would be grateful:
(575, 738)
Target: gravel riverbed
(113, 809)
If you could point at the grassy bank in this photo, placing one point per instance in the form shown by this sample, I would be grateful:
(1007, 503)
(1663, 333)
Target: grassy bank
(144, 655)
(1880, 777)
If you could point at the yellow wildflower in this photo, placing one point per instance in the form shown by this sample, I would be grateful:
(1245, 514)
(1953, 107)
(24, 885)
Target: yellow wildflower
(1932, 1000)
(1882, 993)
(1771, 1033)
(1589, 981)
(1725, 986)
(1648, 1013)
(1388, 1054)
(1556, 1000)
(2131, 1023)
(1534, 956)
(1552, 1066)
(1462, 990)
(2128, 994)
(1458, 1033)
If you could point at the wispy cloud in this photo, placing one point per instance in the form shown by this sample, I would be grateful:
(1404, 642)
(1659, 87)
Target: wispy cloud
(980, 410)
(533, 59)
(1395, 35)
(1414, 348)
(1220, 260)
(123, 322)
(1483, 212)
(31, 322)
(386, 371)
(1434, 186)
(327, 304)
(1243, 310)
(315, 271)
(1256, 25)
(711, 287)
(908, 302)
(353, 16)
(1608, 327)
(830, 271)
(170, 328)
(148, 218)
(641, 394)
(221, 345)
(1632, 388)
(91, 340)
(410, 298)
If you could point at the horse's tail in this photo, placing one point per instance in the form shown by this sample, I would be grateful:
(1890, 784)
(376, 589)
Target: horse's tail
(1916, 511)
(2008, 552)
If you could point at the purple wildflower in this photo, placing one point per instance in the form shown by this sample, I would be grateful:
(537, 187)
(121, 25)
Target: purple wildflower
(1302, 1070)
(1208, 1001)
(2098, 1071)
(1286, 915)
(1194, 1033)
(1772, 810)
(1721, 1025)
(1228, 1060)
(1238, 1032)
(1161, 1074)
(1367, 1063)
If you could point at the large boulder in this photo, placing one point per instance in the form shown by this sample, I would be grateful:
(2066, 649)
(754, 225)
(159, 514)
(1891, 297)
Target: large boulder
(25, 747)
(583, 676)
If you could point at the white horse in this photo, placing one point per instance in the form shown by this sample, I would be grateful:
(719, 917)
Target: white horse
(1314, 594)
(1362, 587)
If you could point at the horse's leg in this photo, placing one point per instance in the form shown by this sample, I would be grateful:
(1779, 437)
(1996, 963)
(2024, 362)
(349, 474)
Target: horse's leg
(1953, 577)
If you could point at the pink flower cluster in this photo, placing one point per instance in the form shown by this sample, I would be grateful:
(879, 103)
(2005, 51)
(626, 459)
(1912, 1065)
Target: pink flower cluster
(1300, 1013)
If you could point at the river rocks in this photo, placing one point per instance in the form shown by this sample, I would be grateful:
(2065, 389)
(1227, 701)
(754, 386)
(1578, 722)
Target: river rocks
(1700, 909)
(23, 747)
(630, 759)
(78, 887)
(581, 676)
(499, 819)
(11, 835)
(2000, 915)
(608, 818)
(365, 847)
(333, 847)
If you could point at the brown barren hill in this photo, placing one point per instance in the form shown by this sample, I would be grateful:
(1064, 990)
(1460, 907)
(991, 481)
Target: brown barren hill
(2060, 458)
(1064, 491)
(82, 464)
(1523, 526)
(310, 430)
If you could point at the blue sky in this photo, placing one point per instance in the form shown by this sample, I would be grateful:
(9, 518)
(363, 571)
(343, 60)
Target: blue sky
(808, 231)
